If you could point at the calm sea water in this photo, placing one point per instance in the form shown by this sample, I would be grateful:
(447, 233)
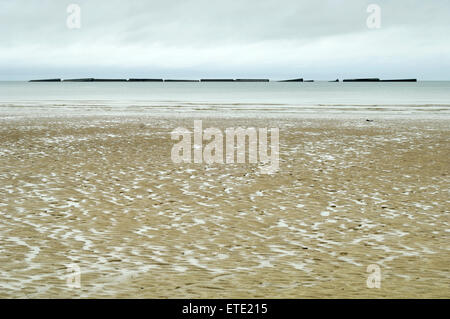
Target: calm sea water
(429, 96)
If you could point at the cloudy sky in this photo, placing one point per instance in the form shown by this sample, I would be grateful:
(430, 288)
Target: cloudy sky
(314, 39)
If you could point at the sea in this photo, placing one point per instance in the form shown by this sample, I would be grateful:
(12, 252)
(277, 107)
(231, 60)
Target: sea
(423, 99)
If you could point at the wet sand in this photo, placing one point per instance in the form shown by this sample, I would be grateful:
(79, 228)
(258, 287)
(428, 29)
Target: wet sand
(103, 193)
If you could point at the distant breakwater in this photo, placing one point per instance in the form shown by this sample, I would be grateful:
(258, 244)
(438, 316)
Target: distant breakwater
(214, 80)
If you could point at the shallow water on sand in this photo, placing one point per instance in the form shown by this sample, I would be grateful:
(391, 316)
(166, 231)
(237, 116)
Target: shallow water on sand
(270, 95)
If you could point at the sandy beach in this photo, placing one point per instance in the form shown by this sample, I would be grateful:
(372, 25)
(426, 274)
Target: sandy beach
(102, 192)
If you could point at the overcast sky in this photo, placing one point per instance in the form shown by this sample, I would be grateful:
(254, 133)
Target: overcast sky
(228, 38)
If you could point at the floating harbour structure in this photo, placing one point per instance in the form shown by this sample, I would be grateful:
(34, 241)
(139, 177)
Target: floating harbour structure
(144, 80)
(292, 80)
(362, 80)
(80, 80)
(46, 80)
(110, 80)
(216, 80)
(400, 80)
(177, 80)
(379, 80)
(252, 80)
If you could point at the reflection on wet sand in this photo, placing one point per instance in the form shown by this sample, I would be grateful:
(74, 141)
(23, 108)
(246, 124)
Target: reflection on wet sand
(103, 193)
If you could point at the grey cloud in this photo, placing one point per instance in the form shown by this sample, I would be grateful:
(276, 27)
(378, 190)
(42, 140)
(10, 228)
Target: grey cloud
(278, 38)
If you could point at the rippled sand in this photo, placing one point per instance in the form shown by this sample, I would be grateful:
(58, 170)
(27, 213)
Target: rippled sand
(103, 193)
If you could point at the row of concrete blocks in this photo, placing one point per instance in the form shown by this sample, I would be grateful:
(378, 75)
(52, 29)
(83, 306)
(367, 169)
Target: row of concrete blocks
(215, 80)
